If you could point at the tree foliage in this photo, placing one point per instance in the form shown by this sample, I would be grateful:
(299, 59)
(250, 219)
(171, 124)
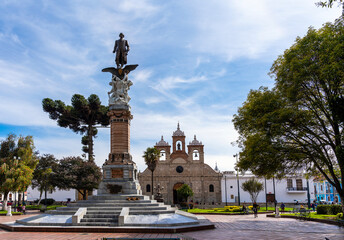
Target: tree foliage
(75, 173)
(17, 163)
(151, 157)
(184, 192)
(329, 3)
(43, 175)
(299, 123)
(81, 117)
(253, 187)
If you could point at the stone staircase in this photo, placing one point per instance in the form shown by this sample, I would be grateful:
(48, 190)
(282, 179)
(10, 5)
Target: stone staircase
(104, 210)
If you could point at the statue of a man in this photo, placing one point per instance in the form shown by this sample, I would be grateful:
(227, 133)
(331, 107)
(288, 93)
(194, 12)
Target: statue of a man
(121, 49)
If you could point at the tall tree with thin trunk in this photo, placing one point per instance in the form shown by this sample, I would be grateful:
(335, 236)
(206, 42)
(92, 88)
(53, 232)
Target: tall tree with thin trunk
(43, 175)
(253, 187)
(82, 117)
(151, 157)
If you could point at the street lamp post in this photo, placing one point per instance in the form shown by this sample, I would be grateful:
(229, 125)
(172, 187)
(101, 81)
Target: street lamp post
(266, 200)
(226, 188)
(237, 170)
(308, 195)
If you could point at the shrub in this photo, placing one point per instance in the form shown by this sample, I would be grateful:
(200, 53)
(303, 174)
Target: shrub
(335, 209)
(50, 201)
(340, 216)
(329, 209)
(322, 209)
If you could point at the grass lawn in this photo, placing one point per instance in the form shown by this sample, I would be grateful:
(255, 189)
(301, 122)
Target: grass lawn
(38, 207)
(197, 210)
(312, 215)
(273, 209)
(5, 212)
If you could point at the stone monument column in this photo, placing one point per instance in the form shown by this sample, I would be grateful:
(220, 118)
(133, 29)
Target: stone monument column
(120, 130)
(120, 175)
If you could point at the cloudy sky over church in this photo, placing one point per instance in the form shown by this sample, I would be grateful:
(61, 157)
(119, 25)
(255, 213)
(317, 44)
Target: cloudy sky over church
(197, 62)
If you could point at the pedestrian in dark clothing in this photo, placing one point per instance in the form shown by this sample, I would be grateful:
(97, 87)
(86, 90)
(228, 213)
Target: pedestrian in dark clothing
(255, 209)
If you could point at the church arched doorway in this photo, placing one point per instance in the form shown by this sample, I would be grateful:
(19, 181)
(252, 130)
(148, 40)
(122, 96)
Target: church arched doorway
(175, 196)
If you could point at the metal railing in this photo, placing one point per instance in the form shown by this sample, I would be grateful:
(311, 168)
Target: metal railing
(297, 189)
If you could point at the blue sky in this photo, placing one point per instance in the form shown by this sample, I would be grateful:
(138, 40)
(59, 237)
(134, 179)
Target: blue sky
(197, 62)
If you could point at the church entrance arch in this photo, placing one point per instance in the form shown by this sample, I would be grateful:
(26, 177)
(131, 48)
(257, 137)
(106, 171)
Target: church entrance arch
(175, 196)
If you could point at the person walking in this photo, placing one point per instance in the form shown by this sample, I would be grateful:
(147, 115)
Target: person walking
(255, 209)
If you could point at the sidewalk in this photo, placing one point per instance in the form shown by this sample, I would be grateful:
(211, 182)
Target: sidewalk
(227, 227)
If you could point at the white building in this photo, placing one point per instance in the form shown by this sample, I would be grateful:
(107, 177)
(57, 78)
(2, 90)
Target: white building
(288, 190)
(12, 196)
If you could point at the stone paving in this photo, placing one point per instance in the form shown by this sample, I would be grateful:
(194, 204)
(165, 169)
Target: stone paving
(227, 227)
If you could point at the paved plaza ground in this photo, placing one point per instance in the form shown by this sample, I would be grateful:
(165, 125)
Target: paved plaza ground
(227, 227)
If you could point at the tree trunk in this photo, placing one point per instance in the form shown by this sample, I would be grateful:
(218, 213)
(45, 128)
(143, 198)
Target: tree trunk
(40, 196)
(152, 185)
(90, 144)
(83, 193)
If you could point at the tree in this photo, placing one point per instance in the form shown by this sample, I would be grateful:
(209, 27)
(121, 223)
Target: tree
(151, 156)
(298, 125)
(330, 3)
(184, 192)
(253, 187)
(42, 176)
(17, 163)
(82, 117)
(75, 173)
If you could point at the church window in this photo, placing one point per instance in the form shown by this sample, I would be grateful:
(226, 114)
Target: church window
(195, 155)
(162, 155)
(232, 196)
(148, 188)
(211, 188)
(179, 145)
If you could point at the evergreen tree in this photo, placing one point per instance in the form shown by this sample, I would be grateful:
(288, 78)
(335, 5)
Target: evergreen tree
(81, 117)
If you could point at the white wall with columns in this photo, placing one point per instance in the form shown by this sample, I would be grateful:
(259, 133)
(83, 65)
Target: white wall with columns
(229, 188)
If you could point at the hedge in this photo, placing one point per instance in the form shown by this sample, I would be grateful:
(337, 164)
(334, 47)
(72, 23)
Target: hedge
(329, 209)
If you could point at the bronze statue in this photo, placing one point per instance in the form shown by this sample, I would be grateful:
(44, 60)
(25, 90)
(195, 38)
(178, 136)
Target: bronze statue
(121, 49)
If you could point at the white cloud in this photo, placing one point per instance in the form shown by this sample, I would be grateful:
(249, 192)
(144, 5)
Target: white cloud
(235, 29)
(172, 82)
(142, 76)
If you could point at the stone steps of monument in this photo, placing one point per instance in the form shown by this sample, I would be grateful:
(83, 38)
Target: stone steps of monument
(100, 218)
(108, 209)
(98, 223)
(129, 204)
(61, 212)
(117, 197)
(116, 201)
(107, 216)
(143, 212)
(103, 212)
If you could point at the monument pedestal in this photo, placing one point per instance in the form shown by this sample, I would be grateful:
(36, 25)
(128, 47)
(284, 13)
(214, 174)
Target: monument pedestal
(119, 171)
(119, 179)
